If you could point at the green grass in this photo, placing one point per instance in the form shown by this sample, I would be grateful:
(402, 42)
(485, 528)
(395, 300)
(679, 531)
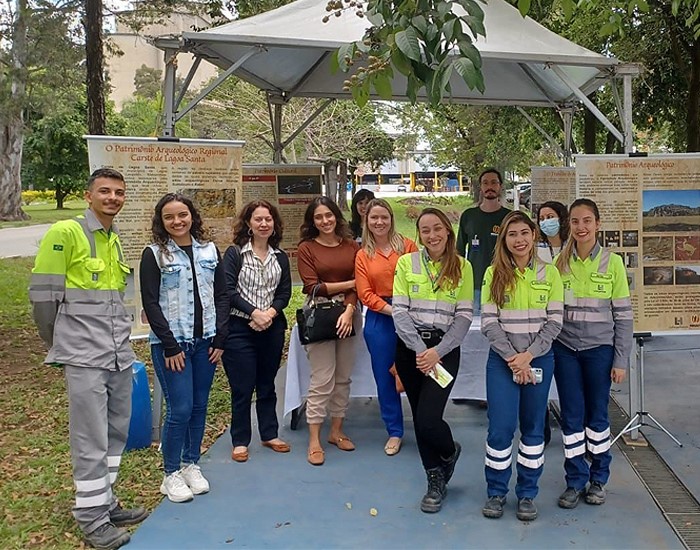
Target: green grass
(47, 213)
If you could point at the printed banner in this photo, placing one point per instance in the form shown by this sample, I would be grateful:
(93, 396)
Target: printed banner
(551, 183)
(650, 213)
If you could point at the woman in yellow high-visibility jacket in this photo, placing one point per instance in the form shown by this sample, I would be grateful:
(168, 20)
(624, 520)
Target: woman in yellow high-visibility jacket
(591, 351)
(521, 315)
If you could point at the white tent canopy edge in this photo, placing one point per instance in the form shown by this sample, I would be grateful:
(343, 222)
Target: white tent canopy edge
(286, 52)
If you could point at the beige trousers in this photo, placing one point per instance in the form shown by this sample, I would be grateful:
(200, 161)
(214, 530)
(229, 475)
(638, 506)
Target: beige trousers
(331, 366)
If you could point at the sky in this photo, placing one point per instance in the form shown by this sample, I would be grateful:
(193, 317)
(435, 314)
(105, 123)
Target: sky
(684, 197)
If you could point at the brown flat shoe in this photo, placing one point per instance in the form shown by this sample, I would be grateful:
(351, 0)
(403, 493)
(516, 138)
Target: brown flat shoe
(343, 442)
(316, 457)
(393, 446)
(240, 456)
(280, 447)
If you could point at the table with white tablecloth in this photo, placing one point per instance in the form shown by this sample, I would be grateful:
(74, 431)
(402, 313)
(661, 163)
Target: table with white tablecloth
(470, 383)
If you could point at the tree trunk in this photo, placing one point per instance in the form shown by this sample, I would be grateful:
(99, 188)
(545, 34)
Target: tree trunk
(331, 172)
(12, 122)
(60, 197)
(94, 63)
(693, 116)
(342, 186)
(590, 126)
(11, 142)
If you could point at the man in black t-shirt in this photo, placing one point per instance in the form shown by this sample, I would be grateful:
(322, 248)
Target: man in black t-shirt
(479, 227)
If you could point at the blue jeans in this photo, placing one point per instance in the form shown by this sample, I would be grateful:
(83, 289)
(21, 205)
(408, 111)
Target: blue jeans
(583, 382)
(380, 336)
(511, 404)
(186, 397)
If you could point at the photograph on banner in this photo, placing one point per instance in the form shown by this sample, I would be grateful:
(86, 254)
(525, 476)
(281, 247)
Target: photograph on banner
(650, 214)
(290, 187)
(207, 171)
(552, 183)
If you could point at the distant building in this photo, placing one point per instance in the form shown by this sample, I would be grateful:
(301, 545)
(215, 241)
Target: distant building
(137, 51)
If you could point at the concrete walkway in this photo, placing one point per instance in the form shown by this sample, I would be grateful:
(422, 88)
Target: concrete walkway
(21, 241)
(280, 501)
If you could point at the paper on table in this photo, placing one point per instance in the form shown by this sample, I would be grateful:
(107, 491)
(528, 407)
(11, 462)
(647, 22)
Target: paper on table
(441, 376)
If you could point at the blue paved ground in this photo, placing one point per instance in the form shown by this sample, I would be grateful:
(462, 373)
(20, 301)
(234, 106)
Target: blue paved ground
(280, 501)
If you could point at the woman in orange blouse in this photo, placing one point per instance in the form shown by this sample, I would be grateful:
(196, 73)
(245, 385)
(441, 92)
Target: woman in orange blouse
(374, 279)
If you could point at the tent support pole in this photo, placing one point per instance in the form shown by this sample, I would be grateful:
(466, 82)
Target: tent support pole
(223, 76)
(277, 145)
(588, 103)
(542, 131)
(188, 81)
(568, 117)
(169, 93)
(627, 107)
(308, 121)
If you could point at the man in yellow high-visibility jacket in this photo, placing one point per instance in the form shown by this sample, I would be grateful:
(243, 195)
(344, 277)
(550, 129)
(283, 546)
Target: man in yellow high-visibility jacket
(77, 290)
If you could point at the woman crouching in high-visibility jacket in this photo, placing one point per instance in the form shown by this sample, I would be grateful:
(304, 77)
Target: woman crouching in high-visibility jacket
(521, 315)
(591, 352)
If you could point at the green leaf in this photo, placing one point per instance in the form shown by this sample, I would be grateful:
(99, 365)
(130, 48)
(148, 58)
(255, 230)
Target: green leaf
(382, 85)
(401, 62)
(448, 29)
(444, 7)
(568, 7)
(524, 7)
(470, 74)
(412, 87)
(377, 19)
(420, 23)
(472, 8)
(407, 42)
(468, 50)
(345, 52)
(476, 25)
(334, 65)
(431, 33)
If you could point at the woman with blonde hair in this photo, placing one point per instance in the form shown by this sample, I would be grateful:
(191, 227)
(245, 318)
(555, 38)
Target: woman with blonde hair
(432, 310)
(521, 315)
(374, 276)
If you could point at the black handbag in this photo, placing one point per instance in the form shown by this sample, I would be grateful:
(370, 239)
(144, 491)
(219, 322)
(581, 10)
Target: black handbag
(317, 320)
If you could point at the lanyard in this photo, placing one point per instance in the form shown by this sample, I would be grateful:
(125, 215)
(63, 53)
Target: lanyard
(433, 278)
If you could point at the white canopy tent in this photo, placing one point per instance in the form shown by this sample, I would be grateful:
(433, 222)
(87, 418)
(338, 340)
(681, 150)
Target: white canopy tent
(286, 52)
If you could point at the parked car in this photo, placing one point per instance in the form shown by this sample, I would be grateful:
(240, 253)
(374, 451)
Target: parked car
(401, 188)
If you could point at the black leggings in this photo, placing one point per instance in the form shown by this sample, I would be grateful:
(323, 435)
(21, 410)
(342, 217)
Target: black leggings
(428, 401)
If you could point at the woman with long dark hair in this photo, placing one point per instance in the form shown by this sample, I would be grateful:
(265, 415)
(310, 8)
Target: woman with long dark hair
(521, 314)
(259, 287)
(183, 292)
(374, 273)
(591, 352)
(358, 212)
(432, 309)
(326, 263)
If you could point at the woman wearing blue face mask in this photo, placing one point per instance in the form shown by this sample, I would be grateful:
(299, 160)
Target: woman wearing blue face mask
(554, 227)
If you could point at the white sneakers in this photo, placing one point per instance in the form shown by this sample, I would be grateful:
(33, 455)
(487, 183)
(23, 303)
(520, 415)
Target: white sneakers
(181, 486)
(197, 483)
(175, 488)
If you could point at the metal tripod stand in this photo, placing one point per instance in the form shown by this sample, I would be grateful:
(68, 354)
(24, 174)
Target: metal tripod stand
(638, 420)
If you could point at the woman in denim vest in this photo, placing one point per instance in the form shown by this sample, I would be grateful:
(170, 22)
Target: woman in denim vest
(183, 291)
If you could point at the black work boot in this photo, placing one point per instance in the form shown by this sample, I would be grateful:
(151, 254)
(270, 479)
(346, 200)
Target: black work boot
(569, 499)
(432, 500)
(121, 517)
(494, 507)
(596, 493)
(107, 537)
(527, 511)
(449, 464)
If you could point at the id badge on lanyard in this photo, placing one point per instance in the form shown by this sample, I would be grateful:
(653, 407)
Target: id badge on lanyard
(433, 278)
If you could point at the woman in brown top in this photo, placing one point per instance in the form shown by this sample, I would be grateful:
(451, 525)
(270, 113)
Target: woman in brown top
(326, 261)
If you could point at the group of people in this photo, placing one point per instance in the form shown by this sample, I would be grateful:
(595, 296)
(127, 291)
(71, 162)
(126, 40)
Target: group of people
(558, 308)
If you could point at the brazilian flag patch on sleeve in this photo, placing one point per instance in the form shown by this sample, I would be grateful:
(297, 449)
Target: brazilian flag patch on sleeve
(58, 247)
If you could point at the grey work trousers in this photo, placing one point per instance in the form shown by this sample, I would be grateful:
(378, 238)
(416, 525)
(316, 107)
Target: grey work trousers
(99, 402)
